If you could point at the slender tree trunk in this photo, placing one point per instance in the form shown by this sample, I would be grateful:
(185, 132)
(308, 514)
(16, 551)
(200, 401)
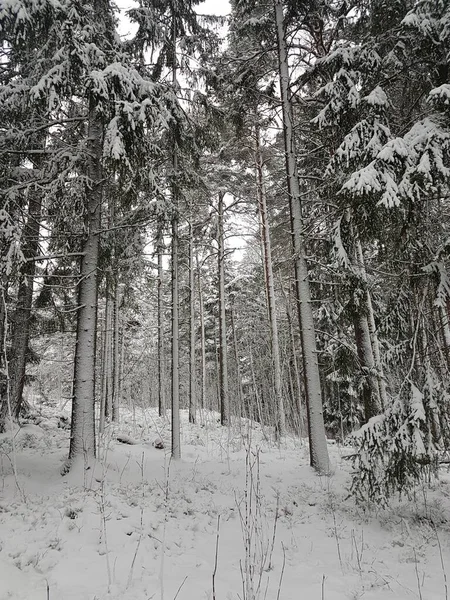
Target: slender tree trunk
(108, 356)
(82, 439)
(445, 331)
(161, 342)
(365, 335)
(238, 364)
(202, 336)
(257, 409)
(192, 370)
(372, 329)
(176, 443)
(22, 314)
(280, 418)
(223, 355)
(116, 351)
(293, 352)
(317, 439)
(3, 358)
(103, 378)
(370, 392)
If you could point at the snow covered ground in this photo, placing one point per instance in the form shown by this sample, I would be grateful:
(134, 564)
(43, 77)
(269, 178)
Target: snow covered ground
(236, 514)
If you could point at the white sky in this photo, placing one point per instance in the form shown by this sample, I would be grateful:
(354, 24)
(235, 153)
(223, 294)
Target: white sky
(214, 7)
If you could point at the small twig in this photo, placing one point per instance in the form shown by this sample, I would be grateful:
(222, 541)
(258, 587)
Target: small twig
(323, 587)
(442, 562)
(179, 589)
(130, 574)
(48, 589)
(8, 395)
(282, 571)
(417, 575)
(270, 566)
(216, 559)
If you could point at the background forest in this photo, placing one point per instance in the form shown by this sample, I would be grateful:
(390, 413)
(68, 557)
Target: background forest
(130, 168)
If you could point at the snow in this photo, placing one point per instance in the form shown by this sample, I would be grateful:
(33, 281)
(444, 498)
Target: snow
(441, 93)
(377, 97)
(365, 180)
(140, 526)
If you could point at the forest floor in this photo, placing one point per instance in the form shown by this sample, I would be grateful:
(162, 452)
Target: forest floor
(236, 513)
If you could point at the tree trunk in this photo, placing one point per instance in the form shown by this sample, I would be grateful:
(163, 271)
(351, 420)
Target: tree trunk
(22, 314)
(176, 444)
(202, 336)
(317, 439)
(108, 356)
(223, 355)
(192, 379)
(4, 400)
(161, 343)
(445, 331)
(365, 331)
(372, 329)
(280, 418)
(82, 438)
(104, 378)
(116, 351)
(238, 364)
(370, 392)
(295, 366)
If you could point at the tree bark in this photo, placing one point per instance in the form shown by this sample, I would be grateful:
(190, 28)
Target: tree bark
(223, 355)
(116, 351)
(280, 418)
(22, 314)
(240, 390)
(445, 331)
(192, 370)
(293, 351)
(202, 336)
(176, 443)
(372, 330)
(82, 438)
(317, 439)
(161, 342)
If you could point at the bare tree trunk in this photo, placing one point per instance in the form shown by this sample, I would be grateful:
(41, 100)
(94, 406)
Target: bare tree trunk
(317, 439)
(372, 329)
(202, 336)
(371, 399)
(445, 330)
(296, 368)
(116, 351)
(365, 335)
(280, 418)
(223, 355)
(82, 438)
(108, 356)
(192, 370)
(4, 391)
(103, 378)
(161, 343)
(238, 364)
(176, 443)
(22, 314)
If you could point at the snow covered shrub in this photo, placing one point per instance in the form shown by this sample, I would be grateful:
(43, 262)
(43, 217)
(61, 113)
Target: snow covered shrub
(400, 448)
